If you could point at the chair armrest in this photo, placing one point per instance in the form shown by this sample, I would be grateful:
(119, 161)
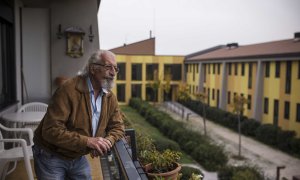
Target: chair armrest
(26, 130)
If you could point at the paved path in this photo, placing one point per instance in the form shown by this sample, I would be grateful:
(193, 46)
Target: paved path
(256, 153)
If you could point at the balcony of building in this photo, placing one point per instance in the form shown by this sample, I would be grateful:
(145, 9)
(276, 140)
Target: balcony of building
(120, 163)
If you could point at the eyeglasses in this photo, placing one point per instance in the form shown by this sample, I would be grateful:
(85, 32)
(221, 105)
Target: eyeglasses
(108, 67)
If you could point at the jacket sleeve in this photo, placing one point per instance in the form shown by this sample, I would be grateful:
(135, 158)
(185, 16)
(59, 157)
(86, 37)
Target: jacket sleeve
(54, 127)
(115, 128)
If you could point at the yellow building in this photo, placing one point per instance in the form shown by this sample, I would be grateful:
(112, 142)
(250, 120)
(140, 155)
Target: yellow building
(146, 75)
(267, 74)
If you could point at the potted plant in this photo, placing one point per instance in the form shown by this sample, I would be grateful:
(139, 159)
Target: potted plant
(145, 146)
(163, 165)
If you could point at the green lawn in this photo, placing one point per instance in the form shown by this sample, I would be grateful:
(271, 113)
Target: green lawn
(139, 123)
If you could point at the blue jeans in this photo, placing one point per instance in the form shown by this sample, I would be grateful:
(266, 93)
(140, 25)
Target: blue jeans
(51, 167)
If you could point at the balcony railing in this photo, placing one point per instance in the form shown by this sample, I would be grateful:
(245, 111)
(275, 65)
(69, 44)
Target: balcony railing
(122, 162)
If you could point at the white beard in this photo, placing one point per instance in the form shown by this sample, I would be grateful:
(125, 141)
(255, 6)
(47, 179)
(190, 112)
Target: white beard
(107, 83)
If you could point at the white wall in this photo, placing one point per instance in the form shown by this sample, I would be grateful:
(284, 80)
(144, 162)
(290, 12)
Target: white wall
(18, 49)
(68, 13)
(36, 54)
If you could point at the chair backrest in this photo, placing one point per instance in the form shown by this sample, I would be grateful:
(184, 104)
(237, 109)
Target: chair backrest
(1, 143)
(33, 107)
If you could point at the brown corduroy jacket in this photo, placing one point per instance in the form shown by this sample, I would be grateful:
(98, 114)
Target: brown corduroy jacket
(67, 124)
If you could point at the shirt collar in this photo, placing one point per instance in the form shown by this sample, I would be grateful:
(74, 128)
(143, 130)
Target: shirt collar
(91, 89)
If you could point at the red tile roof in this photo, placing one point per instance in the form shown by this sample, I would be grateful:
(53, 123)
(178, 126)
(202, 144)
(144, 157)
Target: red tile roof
(281, 48)
(145, 47)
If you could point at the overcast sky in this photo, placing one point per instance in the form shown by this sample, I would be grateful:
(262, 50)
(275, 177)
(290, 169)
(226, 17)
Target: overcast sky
(182, 27)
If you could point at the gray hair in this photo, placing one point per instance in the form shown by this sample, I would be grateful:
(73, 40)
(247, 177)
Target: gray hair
(96, 57)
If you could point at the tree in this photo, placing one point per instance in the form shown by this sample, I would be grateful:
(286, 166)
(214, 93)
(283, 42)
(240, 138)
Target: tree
(167, 85)
(183, 92)
(156, 84)
(238, 108)
(202, 97)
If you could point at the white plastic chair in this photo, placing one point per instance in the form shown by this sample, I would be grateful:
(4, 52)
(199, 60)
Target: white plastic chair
(16, 153)
(33, 107)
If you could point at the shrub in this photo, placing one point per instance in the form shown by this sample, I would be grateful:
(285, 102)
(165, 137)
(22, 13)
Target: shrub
(249, 127)
(246, 174)
(189, 146)
(267, 133)
(284, 140)
(295, 143)
(163, 144)
(239, 173)
(210, 156)
(188, 171)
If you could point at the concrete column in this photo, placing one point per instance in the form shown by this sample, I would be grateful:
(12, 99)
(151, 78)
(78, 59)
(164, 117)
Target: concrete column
(184, 72)
(223, 96)
(258, 96)
(201, 78)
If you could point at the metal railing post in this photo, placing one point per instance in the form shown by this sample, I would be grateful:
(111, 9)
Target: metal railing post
(278, 171)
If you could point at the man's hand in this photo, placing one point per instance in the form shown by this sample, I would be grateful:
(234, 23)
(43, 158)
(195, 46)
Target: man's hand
(99, 145)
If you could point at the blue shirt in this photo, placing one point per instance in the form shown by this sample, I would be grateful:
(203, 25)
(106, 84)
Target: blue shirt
(95, 105)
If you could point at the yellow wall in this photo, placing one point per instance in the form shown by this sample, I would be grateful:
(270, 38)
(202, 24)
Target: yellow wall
(273, 88)
(144, 59)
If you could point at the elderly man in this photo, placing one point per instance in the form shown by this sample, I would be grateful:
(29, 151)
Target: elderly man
(82, 117)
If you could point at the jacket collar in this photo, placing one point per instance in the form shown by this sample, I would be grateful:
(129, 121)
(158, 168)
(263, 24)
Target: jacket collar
(82, 86)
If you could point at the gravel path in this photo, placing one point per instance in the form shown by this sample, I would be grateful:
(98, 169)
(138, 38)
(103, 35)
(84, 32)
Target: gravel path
(256, 154)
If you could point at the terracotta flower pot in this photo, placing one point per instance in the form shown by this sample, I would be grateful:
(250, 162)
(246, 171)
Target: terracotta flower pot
(171, 175)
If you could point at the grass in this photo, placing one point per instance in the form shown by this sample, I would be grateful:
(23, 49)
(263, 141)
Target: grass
(139, 123)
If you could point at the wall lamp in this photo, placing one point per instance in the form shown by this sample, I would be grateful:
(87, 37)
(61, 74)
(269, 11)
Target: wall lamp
(91, 35)
(59, 34)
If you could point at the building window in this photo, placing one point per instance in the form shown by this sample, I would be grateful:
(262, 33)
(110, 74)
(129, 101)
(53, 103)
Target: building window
(229, 68)
(122, 71)
(298, 113)
(214, 67)
(204, 73)
(277, 69)
(219, 68)
(228, 97)
(194, 72)
(136, 90)
(275, 112)
(249, 102)
(136, 71)
(197, 68)
(288, 77)
(7, 60)
(267, 72)
(266, 105)
(243, 69)
(151, 71)
(121, 92)
(208, 68)
(213, 94)
(298, 69)
(174, 69)
(208, 96)
(250, 76)
(235, 68)
(286, 110)
(218, 97)
(151, 94)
